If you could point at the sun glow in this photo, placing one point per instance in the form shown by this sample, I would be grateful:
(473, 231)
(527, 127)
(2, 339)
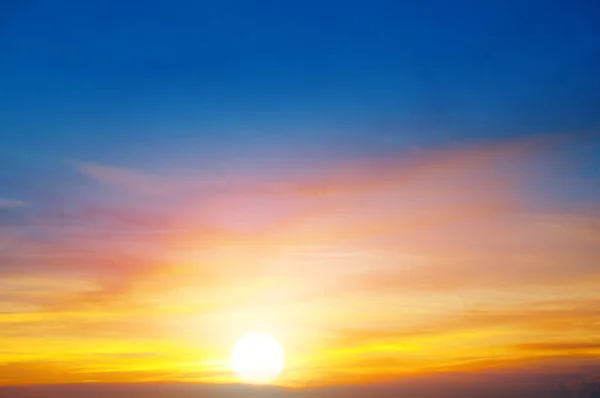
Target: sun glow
(257, 358)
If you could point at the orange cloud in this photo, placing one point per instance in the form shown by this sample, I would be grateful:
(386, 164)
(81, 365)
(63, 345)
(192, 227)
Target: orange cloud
(422, 261)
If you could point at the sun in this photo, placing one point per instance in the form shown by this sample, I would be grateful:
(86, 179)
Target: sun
(257, 358)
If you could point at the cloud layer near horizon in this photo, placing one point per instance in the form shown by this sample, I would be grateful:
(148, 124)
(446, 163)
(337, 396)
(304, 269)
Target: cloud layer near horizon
(417, 263)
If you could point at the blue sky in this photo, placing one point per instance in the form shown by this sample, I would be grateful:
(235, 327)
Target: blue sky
(182, 84)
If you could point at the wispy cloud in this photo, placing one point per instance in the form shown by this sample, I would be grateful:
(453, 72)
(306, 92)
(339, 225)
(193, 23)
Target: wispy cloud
(396, 258)
(10, 203)
(569, 347)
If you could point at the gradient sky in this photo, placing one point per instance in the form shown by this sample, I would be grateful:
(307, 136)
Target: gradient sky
(392, 188)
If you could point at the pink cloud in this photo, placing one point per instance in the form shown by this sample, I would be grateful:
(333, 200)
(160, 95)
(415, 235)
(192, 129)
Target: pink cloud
(10, 203)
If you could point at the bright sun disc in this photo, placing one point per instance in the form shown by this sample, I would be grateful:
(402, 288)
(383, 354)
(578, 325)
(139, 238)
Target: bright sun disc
(257, 358)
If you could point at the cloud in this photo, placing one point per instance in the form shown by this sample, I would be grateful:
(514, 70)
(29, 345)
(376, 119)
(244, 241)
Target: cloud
(496, 254)
(461, 214)
(52, 372)
(570, 317)
(500, 336)
(417, 248)
(119, 177)
(560, 346)
(342, 177)
(11, 204)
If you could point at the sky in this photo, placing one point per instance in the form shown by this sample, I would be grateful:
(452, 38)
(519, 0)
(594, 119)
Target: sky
(393, 189)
